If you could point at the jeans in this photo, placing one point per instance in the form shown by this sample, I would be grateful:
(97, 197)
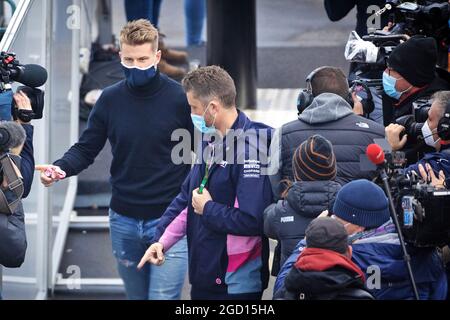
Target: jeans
(143, 9)
(195, 13)
(130, 240)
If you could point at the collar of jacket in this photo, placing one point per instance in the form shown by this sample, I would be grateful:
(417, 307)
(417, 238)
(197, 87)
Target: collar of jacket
(315, 259)
(241, 123)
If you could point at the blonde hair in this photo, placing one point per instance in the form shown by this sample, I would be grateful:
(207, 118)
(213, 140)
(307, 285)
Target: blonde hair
(139, 32)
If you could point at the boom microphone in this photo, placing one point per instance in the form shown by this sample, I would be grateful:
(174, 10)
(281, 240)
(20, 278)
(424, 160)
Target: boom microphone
(31, 75)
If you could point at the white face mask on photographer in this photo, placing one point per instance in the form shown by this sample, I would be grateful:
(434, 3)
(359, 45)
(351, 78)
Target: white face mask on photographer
(428, 135)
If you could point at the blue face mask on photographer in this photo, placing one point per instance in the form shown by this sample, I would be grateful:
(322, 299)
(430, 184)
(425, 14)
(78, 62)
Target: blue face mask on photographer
(200, 123)
(138, 77)
(389, 83)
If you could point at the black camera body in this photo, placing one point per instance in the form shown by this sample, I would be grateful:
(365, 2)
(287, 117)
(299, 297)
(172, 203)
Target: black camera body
(422, 210)
(428, 18)
(36, 97)
(424, 214)
(10, 71)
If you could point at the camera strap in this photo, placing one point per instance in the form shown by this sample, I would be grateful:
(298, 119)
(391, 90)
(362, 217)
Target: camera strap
(14, 185)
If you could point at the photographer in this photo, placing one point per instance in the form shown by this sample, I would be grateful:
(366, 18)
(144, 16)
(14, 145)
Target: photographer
(19, 137)
(411, 74)
(433, 167)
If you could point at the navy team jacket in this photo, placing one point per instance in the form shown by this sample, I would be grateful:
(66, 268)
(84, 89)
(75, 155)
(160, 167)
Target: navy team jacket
(228, 252)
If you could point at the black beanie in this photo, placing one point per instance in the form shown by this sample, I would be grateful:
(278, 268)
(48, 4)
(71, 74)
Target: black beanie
(314, 160)
(415, 60)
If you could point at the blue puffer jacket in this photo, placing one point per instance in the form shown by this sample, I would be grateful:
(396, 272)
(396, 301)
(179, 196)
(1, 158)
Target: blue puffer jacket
(438, 161)
(387, 259)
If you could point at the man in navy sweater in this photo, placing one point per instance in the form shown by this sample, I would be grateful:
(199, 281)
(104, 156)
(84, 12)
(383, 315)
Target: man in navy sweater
(138, 116)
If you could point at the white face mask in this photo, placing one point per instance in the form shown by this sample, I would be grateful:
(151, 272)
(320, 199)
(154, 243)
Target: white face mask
(428, 135)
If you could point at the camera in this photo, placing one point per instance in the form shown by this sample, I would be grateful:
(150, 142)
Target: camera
(36, 97)
(421, 108)
(428, 18)
(32, 76)
(421, 208)
(414, 122)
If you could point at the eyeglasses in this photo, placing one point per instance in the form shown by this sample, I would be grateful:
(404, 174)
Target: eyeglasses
(389, 73)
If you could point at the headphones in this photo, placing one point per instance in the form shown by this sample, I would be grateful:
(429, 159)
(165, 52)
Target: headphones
(443, 128)
(306, 96)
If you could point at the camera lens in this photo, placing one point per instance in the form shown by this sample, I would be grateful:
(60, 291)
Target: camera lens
(412, 128)
(421, 114)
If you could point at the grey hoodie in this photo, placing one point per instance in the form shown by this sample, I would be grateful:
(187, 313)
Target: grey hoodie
(326, 107)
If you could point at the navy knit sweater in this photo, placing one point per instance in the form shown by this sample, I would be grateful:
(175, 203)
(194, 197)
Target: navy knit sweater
(139, 123)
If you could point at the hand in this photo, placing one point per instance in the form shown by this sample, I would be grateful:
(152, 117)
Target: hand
(429, 177)
(50, 174)
(393, 132)
(357, 105)
(22, 101)
(154, 255)
(388, 27)
(199, 200)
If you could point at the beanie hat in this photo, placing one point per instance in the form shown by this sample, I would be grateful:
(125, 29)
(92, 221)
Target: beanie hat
(314, 160)
(362, 203)
(415, 60)
(327, 233)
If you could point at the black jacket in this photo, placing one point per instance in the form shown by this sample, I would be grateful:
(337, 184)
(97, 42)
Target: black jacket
(332, 117)
(393, 111)
(13, 240)
(288, 219)
(337, 10)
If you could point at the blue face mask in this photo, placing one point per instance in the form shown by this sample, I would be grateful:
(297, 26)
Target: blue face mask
(200, 123)
(389, 83)
(138, 77)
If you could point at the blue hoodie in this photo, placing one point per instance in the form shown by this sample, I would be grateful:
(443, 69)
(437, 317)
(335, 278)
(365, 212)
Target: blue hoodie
(228, 252)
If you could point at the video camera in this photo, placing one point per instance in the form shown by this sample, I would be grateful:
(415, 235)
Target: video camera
(427, 18)
(32, 76)
(422, 210)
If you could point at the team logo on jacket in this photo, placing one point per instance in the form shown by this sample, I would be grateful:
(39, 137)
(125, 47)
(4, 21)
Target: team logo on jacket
(252, 169)
(363, 125)
(287, 219)
(224, 164)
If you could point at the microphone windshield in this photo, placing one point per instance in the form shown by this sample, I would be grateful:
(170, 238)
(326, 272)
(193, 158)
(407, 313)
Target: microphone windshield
(375, 154)
(33, 75)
